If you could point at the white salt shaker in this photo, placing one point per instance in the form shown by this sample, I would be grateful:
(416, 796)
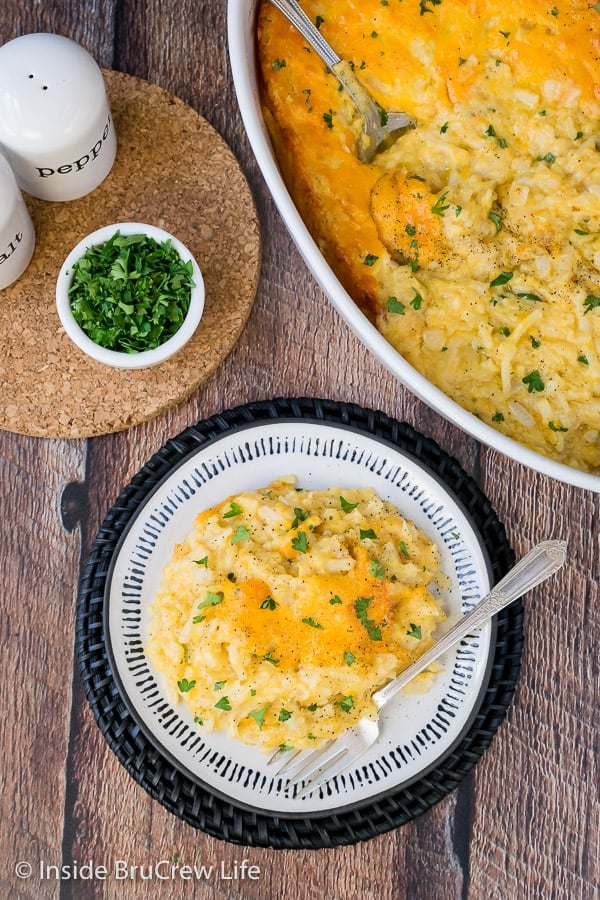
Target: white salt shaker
(17, 234)
(56, 129)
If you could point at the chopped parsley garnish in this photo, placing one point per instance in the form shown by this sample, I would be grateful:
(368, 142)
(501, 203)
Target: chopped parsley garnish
(224, 704)
(268, 657)
(591, 302)
(300, 543)
(403, 549)
(491, 132)
(218, 685)
(554, 427)
(533, 381)
(423, 7)
(319, 21)
(444, 128)
(269, 603)
(502, 278)
(417, 300)
(346, 703)
(495, 218)
(440, 206)
(328, 118)
(284, 715)
(279, 64)
(234, 510)
(498, 417)
(241, 534)
(383, 115)
(367, 534)
(370, 259)
(377, 570)
(582, 358)
(525, 295)
(410, 230)
(349, 658)
(184, 685)
(415, 631)
(361, 605)
(312, 623)
(300, 516)
(212, 599)
(131, 293)
(285, 747)
(258, 715)
(202, 562)
(346, 506)
(395, 306)
(535, 343)
(335, 600)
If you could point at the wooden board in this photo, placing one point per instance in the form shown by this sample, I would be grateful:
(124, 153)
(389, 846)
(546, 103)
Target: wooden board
(172, 170)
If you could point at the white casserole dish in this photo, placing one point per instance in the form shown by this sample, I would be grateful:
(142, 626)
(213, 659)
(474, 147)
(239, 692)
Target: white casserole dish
(241, 36)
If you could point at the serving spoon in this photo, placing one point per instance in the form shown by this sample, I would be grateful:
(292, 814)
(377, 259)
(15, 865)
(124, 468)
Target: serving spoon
(380, 127)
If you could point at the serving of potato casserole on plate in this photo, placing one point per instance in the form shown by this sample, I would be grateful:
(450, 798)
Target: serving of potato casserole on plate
(473, 243)
(284, 610)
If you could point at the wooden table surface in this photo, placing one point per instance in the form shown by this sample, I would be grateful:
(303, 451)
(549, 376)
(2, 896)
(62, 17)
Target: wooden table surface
(524, 824)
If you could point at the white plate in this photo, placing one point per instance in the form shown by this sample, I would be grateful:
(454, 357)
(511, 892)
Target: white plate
(417, 731)
(241, 16)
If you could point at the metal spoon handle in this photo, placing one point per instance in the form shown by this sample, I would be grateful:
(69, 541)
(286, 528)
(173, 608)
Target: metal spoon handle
(296, 15)
(537, 565)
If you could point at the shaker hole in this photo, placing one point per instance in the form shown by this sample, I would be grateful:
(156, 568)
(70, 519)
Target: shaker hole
(45, 87)
(32, 76)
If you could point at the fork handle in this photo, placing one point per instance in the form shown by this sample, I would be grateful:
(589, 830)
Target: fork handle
(537, 565)
(298, 18)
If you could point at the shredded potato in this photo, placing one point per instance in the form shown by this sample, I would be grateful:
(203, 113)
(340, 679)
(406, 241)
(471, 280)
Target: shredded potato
(285, 609)
(473, 243)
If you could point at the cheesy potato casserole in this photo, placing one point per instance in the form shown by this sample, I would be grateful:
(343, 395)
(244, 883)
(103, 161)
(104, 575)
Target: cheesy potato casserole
(284, 609)
(473, 243)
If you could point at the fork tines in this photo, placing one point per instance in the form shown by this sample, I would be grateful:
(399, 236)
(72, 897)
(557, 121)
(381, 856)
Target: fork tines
(309, 770)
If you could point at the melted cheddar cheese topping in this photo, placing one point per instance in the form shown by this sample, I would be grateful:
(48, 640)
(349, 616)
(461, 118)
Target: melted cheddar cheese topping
(285, 609)
(472, 243)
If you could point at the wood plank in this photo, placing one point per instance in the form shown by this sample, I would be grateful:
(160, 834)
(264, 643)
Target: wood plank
(39, 561)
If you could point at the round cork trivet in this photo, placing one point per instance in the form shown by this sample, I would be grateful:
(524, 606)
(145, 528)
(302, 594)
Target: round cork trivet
(172, 170)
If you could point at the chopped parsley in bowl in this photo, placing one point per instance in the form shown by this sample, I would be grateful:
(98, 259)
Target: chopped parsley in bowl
(130, 295)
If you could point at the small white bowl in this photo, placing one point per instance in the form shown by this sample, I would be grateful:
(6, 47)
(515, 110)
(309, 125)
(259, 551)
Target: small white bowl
(116, 358)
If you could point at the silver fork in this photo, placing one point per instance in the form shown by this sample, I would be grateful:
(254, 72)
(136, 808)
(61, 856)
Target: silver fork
(380, 127)
(312, 768)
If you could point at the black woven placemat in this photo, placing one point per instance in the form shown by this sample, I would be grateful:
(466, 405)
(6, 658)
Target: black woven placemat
(198, 806)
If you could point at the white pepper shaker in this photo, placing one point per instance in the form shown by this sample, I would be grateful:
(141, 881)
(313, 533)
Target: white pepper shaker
(56, 129)
(17, 234)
